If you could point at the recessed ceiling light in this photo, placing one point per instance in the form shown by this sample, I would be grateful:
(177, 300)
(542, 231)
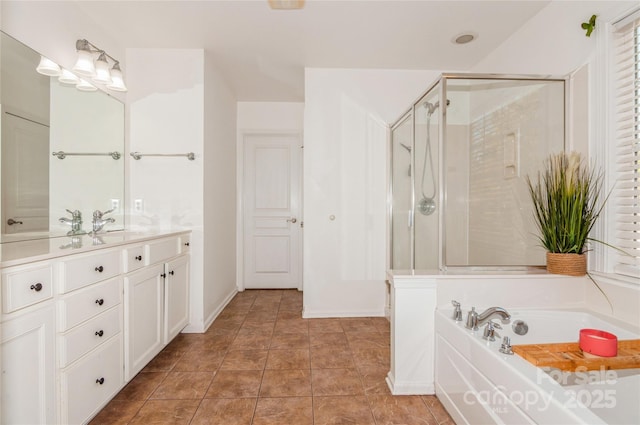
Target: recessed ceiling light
(286, 4)
(464, 38)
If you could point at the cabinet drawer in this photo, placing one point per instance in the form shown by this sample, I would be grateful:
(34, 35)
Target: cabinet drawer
(85, 270)
(84, 338)
(24, 286)
(162, 250)
(133, 258)
(86, 303)
(90, 383)
(185, 243)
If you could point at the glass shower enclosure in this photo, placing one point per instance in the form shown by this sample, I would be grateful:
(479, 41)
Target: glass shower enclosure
(459, 161)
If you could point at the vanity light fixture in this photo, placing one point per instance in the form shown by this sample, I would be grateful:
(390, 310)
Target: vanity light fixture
(48, 67)
(99, 70)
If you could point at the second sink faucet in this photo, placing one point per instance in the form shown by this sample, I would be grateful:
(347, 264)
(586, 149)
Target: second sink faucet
(75, 222)
(99, 222)
(474, 319)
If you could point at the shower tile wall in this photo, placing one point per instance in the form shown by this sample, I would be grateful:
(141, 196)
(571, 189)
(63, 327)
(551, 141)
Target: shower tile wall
(500, 209)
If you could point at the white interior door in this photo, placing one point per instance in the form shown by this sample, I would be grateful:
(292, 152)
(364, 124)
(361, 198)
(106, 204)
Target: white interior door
(25, 175)
(272, 222)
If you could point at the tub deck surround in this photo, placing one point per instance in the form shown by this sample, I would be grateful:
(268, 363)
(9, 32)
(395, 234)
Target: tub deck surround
(415, 295)
(413, 302)
(478, 384)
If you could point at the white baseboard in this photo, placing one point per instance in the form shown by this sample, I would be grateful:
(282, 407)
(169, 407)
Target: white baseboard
(221, 307)
(202, 327)
(410, 388)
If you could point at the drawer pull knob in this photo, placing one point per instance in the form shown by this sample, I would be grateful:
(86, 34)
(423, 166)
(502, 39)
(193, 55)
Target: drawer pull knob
(186, 244)
(163, 275)
(100, 381)
(139, 257)
(100, 301)
(171, 272)
(99, 269)
(37, 287)
(100, 333)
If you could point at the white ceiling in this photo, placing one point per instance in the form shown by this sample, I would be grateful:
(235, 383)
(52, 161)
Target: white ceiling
(263, 52)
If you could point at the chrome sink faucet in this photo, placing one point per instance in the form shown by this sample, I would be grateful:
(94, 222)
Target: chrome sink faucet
(75, 222)
(99, 222)
(474, 319)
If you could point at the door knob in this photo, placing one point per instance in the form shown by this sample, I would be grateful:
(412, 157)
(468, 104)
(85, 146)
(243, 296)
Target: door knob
(292, 220)
(11, 222)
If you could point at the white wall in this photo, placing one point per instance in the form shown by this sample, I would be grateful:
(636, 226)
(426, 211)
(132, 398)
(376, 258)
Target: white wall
(270, 116)
(166, 115)
(179, 103)
(347, 113)
(219, 192)
(552, 42)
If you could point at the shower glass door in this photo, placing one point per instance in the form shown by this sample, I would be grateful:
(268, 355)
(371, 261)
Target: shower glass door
(426, 194)
(401, 182)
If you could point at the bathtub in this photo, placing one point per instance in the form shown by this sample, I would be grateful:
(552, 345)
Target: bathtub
(479, 385)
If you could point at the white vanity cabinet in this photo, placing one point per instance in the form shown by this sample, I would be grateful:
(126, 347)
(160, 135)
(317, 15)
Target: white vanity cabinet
(75, 323)
(27, 344)
(28, 367)
(176, 301)
(157, 302)
(90, 343)
(144, 318)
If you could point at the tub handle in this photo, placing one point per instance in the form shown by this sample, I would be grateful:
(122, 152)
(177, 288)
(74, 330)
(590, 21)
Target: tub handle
(505, 348)
(490, 333)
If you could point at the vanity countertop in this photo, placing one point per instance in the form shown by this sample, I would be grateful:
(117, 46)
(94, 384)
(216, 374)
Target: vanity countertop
(23, 252)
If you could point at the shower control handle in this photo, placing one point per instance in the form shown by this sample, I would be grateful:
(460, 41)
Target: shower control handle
(292, 220)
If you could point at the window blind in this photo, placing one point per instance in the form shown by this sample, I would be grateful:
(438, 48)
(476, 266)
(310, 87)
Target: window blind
(626, 193)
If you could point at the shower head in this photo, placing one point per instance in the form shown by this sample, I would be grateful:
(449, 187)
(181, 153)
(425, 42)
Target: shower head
(431, 107)
(408, 148)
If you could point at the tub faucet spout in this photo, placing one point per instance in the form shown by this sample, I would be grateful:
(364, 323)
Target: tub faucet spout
(492, 312)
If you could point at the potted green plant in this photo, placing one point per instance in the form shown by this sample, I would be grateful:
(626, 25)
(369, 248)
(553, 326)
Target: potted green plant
(567, 203)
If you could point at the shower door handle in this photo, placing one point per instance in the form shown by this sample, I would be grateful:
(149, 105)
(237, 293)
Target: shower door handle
(292, 220)
(410, 219)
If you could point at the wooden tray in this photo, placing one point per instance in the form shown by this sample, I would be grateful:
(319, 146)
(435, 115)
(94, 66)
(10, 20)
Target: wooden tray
(567, 356)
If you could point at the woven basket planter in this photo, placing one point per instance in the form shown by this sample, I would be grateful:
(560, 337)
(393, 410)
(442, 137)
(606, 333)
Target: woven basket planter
(567, 264)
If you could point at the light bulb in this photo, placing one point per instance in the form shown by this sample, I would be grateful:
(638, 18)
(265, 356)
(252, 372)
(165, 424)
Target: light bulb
(48, 67)
(85, 86)
(117, 82)
(68, 77)
(102, 70)
(84, 66)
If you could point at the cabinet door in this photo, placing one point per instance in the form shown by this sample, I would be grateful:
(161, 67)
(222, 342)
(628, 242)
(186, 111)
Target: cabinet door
(176, 297)
(143, 312)
(88, 384)
(28, 368)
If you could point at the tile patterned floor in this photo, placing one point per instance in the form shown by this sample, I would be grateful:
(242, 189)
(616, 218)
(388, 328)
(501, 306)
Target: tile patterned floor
(260, 363)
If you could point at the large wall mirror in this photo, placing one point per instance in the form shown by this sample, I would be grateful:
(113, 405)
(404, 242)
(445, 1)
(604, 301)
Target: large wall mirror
(40, 117)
